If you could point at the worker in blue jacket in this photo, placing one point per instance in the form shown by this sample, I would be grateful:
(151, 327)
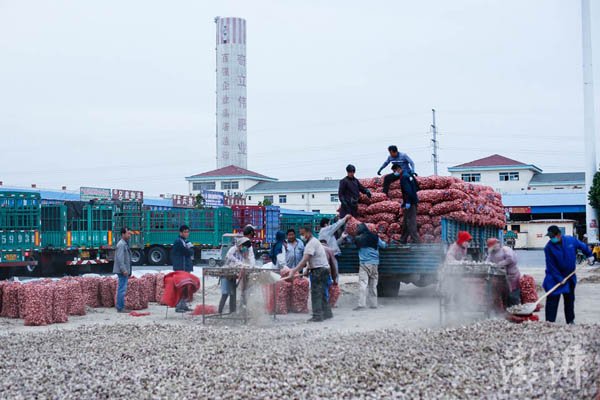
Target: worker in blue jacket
(409, 187)
(399, 159)
(561, 260)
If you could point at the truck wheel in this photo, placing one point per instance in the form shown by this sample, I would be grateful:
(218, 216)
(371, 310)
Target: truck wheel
(157, 256)
(388, 288)
(137, 257)
(212, 262)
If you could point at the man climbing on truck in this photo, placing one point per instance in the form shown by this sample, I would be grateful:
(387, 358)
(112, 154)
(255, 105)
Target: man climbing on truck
(349, 192)
(409, 187)
(402, 160)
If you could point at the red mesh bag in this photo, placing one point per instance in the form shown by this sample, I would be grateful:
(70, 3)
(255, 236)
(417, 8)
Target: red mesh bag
(372, 183)
(528, 290)
(334, 294)
(37, 300)
(10, 300)
(160, 287)
(396, 194)
(396, 237)
(437, 231)
(352, 226)
(362, 210)
(378, 198)
(426, 182)
(204, 310)
(427, 238)
(299, 296)
(423, 219)
(446, 207)
(135, 298)
(60, 307)
(21, 302)
(383, 217)
(149, 285)
(388, 206)
(444, 182)
(426, 229)
(429, 196)
(394, 228)
(282, 289)
(424, 208)
(91, 289)
(382, 227)
(108, 291)
(76, 298)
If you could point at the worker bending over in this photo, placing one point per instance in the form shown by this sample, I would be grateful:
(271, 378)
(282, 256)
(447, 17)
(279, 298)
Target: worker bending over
(402, 160)
(505, 257)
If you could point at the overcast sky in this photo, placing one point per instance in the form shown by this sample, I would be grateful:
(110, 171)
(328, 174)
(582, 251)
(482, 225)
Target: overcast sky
(120, 94)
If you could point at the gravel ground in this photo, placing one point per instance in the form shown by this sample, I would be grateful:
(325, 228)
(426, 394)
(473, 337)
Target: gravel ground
(491, 359)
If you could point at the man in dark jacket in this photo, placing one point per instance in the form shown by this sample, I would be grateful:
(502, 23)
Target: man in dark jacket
(561, 260)
(409, 187)
(182, 251)
(349, 192)
(181, 257)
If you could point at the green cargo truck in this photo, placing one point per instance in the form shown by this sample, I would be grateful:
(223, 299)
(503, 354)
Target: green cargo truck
(19, 229)
(130, 214)
(161, 228)
(76, 234)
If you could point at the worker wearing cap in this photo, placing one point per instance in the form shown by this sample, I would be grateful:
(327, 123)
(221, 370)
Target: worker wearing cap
(238, 255)
(458, 250)
(349, 192)
(561, 260)
(506, 257)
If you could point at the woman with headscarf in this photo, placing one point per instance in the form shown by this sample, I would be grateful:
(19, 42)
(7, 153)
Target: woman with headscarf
(238, 255)
(368, 244)
(277, 249)
(506, 257)
(458, 250)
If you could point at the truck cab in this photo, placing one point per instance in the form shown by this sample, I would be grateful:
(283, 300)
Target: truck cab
(216, 256)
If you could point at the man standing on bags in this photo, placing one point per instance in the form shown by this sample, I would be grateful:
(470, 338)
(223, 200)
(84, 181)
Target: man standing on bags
(368, 245)
(561, 260)
(349, 192)
(315, 260)
(401, 160)
(409, 187)
(122, 267)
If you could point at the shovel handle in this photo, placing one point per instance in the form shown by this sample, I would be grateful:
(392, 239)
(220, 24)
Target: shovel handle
(559, 284)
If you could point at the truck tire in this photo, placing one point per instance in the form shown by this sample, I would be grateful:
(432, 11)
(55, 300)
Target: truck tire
(157, 256)
(137, 257)
(388, 287)
(212, 262)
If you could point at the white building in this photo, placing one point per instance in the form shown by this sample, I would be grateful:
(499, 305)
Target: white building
(510, 176)
(230, 180)
(232, 143)
(314, 196)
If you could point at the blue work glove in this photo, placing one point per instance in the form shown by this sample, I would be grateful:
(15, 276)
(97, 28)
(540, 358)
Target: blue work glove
(407, 205)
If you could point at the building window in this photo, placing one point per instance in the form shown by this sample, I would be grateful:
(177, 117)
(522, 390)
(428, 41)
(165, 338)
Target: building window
(316, 211)
(282, 198)
(516, 228)
(269, 199)
(230, 185)
(204, 186)
(249, 197)
(334, 198)
(471, 177)
(313, 196)
(302, 197)
(508, 176)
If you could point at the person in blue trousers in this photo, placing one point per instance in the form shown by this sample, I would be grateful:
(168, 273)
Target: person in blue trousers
(122, 267)
(561, 260)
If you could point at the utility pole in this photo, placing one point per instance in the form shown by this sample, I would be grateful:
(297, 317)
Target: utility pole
(435, 144)
(591, 220)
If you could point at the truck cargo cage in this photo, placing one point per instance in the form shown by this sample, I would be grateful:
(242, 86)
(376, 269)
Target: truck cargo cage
(20, 224)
